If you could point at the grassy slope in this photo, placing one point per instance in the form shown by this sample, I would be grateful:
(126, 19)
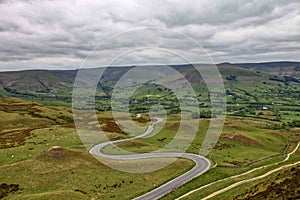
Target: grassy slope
(55, 87)
(283, 184)
(243, 139)
(31, 162)
(51, 129)
(241, 191)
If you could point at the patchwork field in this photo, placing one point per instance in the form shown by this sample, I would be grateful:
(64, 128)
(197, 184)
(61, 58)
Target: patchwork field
(40, 145)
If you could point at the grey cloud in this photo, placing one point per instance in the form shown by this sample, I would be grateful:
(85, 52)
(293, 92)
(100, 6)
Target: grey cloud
(35, 31)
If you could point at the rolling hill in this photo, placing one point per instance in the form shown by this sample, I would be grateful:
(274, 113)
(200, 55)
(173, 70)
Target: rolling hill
(257, 82)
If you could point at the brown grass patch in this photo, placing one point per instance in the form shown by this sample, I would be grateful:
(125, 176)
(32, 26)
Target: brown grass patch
(266, 114)
(172, 126)
(7, 188)
(134, 144)
(109, 125)
(242, 139)
(236, 127)
(9, 139)
(220, 146)
(234, 162)
(297, 139)
(141, 120)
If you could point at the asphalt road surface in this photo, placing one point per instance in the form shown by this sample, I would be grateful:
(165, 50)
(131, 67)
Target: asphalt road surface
(201, 164)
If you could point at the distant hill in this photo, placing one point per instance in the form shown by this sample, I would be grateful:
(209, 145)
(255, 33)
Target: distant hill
(243, 80)
(45, 80)
(36, 80)
(275, 68)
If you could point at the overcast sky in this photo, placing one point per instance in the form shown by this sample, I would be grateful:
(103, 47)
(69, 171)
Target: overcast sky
(59, 34)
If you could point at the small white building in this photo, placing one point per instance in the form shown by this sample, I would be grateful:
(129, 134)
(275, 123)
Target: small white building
(265, 108)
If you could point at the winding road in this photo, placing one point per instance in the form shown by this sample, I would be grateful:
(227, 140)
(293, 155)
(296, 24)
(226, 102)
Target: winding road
(201, 164)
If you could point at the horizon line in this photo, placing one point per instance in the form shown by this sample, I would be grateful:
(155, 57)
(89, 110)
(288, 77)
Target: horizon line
(143, 65)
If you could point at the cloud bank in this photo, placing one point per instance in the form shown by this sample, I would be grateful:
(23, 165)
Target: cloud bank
(59, 34)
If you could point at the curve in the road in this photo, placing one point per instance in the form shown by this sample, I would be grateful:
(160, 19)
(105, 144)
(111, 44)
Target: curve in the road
(201, 164)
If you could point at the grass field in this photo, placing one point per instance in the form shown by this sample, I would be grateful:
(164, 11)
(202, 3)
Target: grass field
(39, 145)
(41, 150)
(282, 184)
(243, 140)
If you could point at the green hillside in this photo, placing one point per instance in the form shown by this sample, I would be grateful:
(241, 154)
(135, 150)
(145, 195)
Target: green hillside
(39, 143)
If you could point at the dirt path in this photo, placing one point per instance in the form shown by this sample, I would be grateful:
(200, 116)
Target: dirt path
(239, 175)
(249, 180)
